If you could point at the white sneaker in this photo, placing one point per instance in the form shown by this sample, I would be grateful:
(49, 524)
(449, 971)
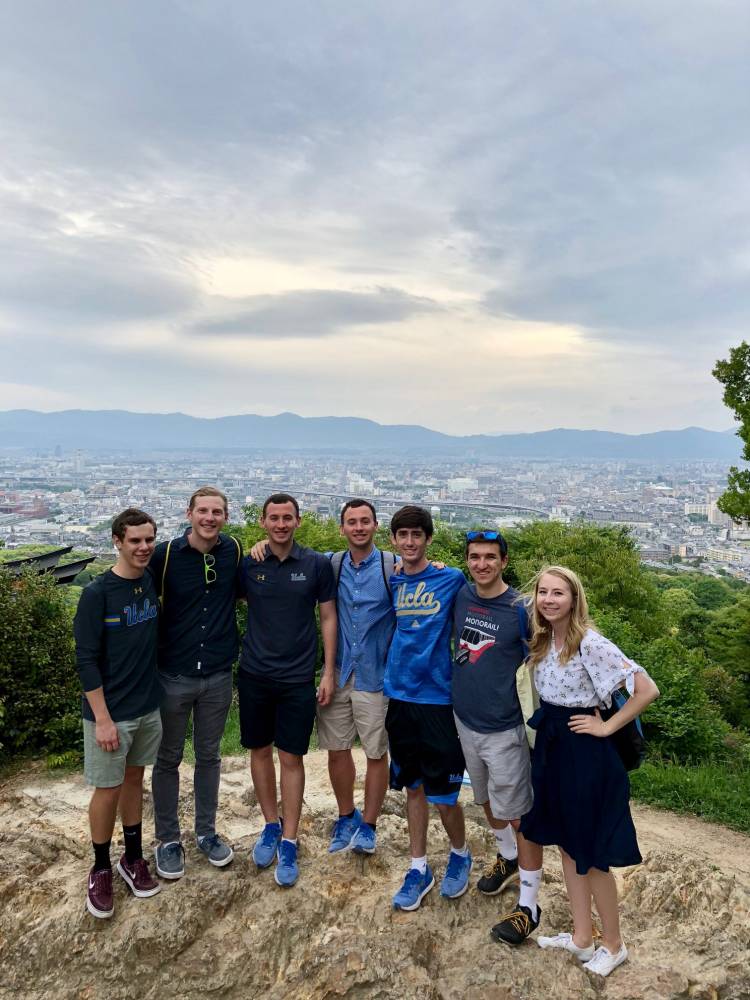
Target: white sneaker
(605, 962)
(566, 942)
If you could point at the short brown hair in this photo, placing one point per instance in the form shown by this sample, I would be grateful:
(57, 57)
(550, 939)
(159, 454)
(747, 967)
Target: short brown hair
(209, 491)
(280, 498)
(131, 517)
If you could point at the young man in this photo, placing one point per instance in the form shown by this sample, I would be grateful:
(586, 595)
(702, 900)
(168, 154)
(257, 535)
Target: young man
(276, 682)
(365, 627)
(115, 631)
(490, 629)
(426, 756)
(197, 576)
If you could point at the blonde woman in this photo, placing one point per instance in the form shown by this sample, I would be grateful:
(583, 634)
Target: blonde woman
(581, 788)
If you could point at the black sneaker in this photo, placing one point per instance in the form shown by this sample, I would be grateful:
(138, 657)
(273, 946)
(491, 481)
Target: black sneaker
(496, 876)
(515, 927)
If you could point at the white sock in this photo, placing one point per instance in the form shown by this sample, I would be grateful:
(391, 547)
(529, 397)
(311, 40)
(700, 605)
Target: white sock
(420, 864)
(530, 882)
(462, 852)
(289, 840)
(506, 842)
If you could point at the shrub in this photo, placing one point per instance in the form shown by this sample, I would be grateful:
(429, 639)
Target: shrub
(39, 689)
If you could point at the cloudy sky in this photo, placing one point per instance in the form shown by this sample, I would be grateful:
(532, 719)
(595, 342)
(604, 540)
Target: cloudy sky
(482, 217)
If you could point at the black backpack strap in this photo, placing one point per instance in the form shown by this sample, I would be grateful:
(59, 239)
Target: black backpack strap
(337, 561)
(390, 559)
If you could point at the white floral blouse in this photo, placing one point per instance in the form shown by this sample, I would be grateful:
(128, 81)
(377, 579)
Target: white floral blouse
(589, 678)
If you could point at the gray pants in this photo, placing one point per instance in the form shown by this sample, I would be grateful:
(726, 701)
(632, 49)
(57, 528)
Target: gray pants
(208, 698)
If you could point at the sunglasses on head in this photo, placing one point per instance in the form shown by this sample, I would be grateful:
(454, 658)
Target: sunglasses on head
(488, 536)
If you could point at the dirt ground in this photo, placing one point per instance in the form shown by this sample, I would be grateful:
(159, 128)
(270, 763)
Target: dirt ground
(233, 933)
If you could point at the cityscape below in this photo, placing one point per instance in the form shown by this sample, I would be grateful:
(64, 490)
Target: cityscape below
(69, 498)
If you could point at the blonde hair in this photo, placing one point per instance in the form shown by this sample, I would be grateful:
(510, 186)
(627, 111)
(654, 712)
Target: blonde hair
(541, 630)
(209, 491)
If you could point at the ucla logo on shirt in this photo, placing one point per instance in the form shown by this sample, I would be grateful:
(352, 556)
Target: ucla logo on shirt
(419, 601)
(136, 616)
(298, 577)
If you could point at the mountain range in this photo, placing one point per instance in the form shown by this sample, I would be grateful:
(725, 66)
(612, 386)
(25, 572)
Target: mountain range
(122, 430)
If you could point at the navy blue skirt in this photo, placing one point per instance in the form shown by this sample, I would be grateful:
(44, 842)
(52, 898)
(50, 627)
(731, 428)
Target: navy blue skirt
(581, 794)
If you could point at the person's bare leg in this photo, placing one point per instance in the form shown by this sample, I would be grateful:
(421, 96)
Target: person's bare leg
(579, 896)
(342, 772)
(604, 889)
(495, 823)
(453, 820)
(530, 855)
(417, 816)
(103, 813)
(292, 789)
(131, 796)
(263, 774)
(376, 785)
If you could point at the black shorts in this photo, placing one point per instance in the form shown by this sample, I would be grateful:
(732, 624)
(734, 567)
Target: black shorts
(425, 749)
(274, 712)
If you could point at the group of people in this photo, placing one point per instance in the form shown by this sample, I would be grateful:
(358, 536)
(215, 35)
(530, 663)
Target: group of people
(419, 665)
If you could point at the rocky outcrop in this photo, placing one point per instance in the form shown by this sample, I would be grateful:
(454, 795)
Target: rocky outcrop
(234, 933)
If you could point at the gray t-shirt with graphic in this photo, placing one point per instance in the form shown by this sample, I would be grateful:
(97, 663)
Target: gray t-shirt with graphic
(488, 650)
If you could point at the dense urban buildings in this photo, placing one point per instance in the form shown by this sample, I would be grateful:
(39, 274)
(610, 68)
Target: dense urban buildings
(70, 498)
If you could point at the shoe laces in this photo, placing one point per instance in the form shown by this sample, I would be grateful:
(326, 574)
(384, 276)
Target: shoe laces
(497, 867)
(413, 877)
(102, 878)
(209, 842)
(269, 835)
(519, 921)
(287, 853)
(455, 865)
(174, 849)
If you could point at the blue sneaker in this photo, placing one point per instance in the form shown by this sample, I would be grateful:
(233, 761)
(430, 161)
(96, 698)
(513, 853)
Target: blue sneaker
(415, 887)
(344, 831)
(456, 879)
(365, 840)
(267, 844)
(287, 869)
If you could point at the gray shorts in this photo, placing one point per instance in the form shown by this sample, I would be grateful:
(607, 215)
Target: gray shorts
(350, 714)
(139, 743)
(499, 766)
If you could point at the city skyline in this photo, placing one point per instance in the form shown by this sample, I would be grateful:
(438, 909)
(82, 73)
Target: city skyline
(491, 220)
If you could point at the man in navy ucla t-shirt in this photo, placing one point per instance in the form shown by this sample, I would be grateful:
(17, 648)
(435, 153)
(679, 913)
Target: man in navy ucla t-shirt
(426, 756)
(115, 631)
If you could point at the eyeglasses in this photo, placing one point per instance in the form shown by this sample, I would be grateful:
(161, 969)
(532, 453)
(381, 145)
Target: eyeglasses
(209, 561)
(488, 536)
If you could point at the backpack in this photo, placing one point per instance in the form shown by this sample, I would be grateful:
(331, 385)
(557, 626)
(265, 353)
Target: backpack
(387, 566)
(525, 689)
(629, 741)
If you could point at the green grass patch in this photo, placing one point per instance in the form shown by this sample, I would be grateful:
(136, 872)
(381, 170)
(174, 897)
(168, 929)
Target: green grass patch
(711, 791)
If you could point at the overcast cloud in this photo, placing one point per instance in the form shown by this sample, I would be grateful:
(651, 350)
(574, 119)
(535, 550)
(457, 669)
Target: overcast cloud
(482, 218)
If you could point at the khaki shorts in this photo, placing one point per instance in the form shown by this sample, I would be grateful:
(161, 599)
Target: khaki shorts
(350, 714)
(139, 743)
(499, 766)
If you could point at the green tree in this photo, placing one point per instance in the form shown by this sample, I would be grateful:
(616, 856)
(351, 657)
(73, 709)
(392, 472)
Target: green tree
(39, 687)
(734, 375)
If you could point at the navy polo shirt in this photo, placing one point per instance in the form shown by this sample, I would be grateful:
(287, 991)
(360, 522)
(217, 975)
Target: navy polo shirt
(197, 624)
(281, 642)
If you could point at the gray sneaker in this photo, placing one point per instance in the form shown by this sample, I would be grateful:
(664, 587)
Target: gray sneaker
(217, 852)
(170, 860)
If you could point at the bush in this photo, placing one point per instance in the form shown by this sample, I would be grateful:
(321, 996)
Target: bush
(39, 689)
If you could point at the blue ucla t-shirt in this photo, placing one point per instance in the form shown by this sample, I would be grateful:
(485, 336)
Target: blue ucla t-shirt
(419, 660)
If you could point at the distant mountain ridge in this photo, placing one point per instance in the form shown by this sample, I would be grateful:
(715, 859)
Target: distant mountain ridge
(115, 430)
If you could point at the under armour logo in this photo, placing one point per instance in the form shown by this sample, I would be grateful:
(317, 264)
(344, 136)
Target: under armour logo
(137, 590)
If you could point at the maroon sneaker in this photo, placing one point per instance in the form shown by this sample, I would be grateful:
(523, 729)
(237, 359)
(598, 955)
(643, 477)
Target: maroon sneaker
(139, 878)
(99, 901)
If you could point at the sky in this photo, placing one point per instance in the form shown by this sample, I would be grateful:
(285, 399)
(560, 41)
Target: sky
(483, 218)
